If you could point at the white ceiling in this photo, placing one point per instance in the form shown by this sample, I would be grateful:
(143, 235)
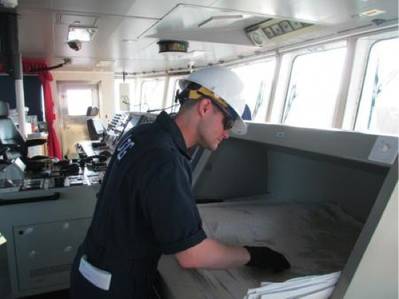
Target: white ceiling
(129, 29)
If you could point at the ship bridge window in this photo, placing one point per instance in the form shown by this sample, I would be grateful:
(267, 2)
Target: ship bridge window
(171, 106)
(313, 88)
(379, 105)
(257, 79)
(77, 99)
(151, 95)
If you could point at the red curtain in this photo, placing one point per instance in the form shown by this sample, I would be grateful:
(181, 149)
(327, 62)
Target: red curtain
(31, 66)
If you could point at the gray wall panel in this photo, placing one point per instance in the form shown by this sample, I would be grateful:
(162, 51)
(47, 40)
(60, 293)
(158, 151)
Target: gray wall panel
(300, 177)
(238, 168)
(245, 168)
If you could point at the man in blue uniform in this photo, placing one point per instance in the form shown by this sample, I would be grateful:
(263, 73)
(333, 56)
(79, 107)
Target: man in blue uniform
(146, 207)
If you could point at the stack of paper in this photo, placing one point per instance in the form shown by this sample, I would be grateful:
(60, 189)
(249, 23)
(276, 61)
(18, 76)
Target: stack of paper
(309, 287)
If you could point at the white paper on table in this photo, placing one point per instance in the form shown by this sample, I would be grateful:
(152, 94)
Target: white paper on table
(309, 287)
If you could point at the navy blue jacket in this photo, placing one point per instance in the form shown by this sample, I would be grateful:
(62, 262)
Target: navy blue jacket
(145, 209)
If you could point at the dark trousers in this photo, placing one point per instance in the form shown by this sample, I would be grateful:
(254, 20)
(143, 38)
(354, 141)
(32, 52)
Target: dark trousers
(126, 283)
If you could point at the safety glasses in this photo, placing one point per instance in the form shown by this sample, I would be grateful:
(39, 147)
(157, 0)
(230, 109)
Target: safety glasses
(228, 121)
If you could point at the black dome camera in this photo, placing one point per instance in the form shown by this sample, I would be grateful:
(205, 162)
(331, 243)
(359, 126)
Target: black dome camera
(75, 44)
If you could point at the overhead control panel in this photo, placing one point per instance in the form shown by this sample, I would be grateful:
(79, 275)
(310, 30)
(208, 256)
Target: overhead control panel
(274, 29)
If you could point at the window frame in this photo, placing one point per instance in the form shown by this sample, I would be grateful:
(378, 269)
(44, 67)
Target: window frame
(63, 86)
(294, 55)
(355, 125)
(146, 80)
(269, 59)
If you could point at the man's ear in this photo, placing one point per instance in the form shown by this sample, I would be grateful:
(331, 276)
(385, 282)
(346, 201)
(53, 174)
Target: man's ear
(204, 106)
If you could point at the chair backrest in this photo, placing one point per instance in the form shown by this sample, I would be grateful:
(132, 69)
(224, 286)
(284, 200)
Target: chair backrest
(9, 135)
(95, 128)
(92, 111)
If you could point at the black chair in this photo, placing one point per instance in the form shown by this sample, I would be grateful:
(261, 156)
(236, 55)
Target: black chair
(12, 144)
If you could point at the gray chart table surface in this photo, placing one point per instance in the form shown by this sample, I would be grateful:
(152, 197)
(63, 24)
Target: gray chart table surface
(316, 239)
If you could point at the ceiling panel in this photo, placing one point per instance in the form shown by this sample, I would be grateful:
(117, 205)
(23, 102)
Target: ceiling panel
(129, 29)
(148, 59)
(326, 11)
(107, 40)
(35, 31)
(37, 4)
(68, 19)
(116, 7)
(185, 20)
(143, 8)
(158, 9)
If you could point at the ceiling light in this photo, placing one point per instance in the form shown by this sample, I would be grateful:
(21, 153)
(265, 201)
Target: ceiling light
(129, 41)
(104, 63)
(197, 53)
(372, 13)
(82, 33)
(218, 21)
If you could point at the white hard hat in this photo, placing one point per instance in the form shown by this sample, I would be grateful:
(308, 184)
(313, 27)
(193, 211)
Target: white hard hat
(225, 84)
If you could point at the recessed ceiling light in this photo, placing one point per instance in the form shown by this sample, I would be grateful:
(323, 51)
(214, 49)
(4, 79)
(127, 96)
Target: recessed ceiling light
(223, 20)
(196, 53)
(104, 63)
(129, 41)
(372, 13)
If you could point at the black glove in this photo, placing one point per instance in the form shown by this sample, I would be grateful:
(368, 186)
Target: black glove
(264, 257)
